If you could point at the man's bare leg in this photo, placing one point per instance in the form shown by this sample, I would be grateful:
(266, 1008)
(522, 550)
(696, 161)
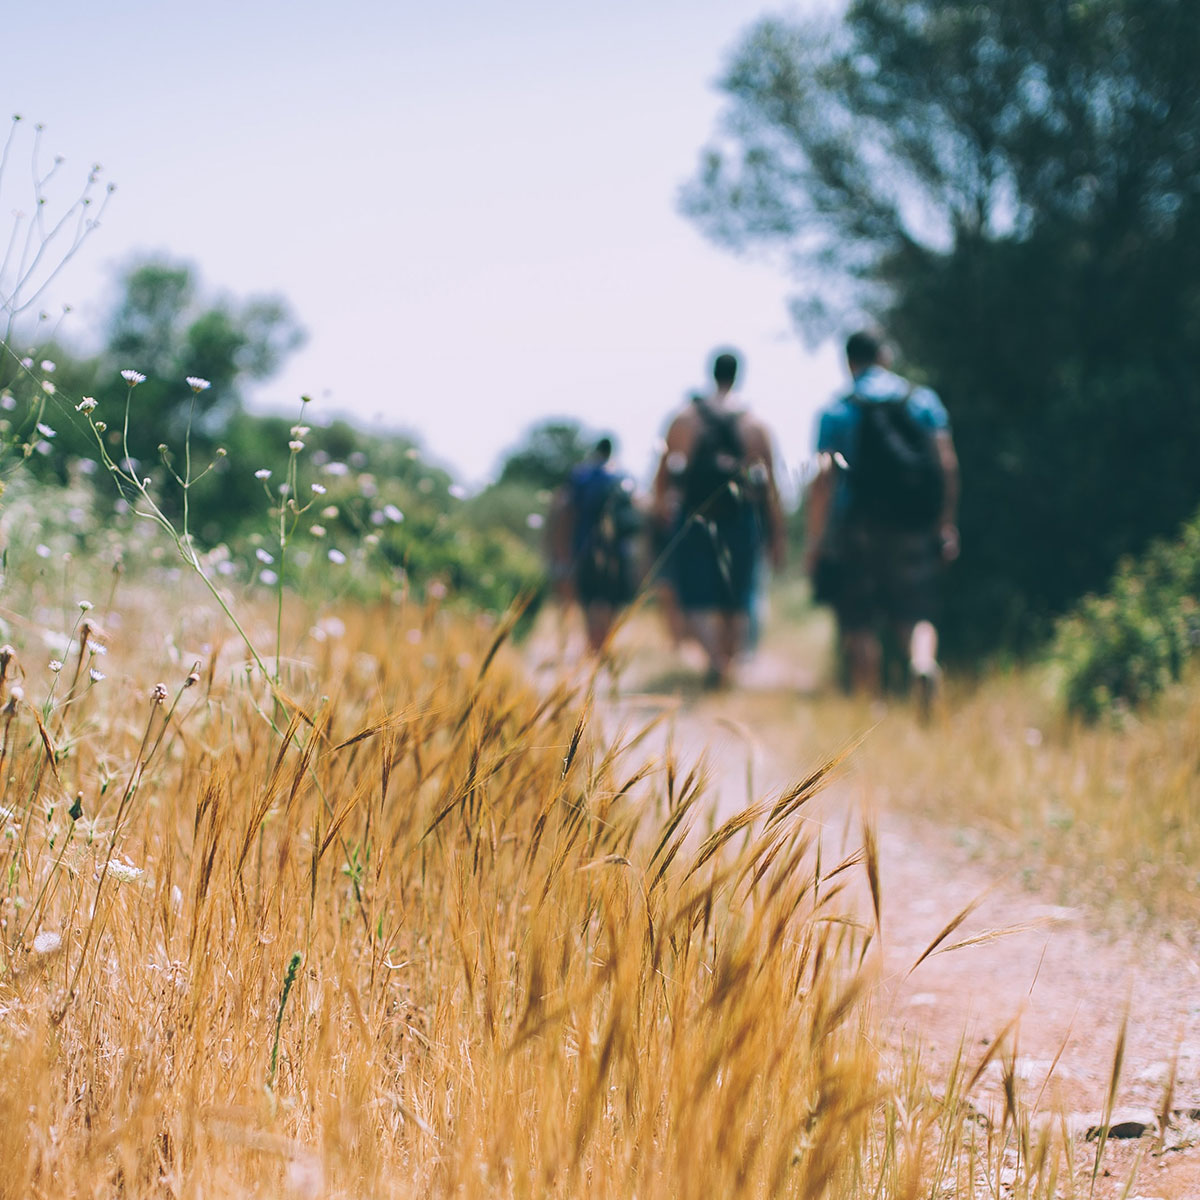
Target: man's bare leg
(865, 657)
(711, 633)
(922, 642)
(599, 622)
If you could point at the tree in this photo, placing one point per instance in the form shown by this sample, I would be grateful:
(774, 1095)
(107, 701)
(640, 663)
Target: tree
(1014, 190)
(164, 328)
(546, 454)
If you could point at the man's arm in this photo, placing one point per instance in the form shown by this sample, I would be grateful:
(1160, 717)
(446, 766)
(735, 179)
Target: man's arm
(948, 528)
(675, 447)
(816, 512)
(763, 456)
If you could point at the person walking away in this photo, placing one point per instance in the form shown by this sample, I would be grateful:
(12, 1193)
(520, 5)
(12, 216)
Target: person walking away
(881, 517)
(598, 526)
(715, 488)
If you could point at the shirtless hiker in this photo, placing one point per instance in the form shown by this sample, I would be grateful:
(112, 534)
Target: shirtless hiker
(715, 493)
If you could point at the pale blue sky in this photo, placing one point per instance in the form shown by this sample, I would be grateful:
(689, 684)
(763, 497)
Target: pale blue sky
(471, 207)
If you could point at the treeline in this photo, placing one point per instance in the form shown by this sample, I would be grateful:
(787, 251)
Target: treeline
(164, 402)
(1013, 191)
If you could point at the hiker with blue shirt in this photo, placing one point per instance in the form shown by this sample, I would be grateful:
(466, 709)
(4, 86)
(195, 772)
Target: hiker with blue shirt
(595, 540)
(881, 517)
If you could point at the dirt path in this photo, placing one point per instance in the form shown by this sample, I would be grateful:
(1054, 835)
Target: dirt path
(1068, 982)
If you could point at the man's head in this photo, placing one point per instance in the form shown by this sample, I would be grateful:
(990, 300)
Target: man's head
(725, 369)
(864, 349)
(603, 450)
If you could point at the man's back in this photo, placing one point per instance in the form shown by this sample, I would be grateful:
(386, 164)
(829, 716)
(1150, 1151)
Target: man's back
(840, 426)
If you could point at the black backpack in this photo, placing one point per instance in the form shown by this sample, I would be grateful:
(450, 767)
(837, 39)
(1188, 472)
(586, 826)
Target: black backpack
(610, 521)
(896, 474)
(714, 482)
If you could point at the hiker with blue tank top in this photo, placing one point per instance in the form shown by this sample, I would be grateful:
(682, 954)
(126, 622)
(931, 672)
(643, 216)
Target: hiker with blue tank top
(881, 516)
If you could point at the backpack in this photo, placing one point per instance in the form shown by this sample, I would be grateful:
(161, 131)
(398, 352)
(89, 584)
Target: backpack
(714, 480)
(606, 522)
(896, 474)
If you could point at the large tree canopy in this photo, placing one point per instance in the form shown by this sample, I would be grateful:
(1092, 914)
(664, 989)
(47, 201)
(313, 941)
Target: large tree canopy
(1013, 189)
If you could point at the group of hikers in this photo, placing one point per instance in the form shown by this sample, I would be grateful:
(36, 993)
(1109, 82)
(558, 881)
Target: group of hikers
(879, 511)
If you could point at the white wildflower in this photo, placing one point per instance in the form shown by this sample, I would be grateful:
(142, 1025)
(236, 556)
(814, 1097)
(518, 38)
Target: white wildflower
(85, 605)
(56, 665)
(48, 387)
(263, 473)
(27, 363)
(318, 489)
(263, 556)
(133, 378)
(42, 551)
(393, 514)
(295, 446)
(457, 491)
(95, 675)
(329, 512)
(48, 366)
(124, 872)
(197, 384)
(47, 942)
(45, 430)
(336, 468)
(299, 431)
(86, 405)
(336, 556)
(317, 531)
(535, 520)
(268, 577)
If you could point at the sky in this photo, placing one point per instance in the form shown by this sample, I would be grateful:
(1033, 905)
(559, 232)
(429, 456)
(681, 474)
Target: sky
(472, 208)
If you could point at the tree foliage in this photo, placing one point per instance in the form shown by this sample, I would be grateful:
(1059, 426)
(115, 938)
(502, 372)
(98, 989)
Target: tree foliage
(545, 455)
(166, 328)
(1013, 190)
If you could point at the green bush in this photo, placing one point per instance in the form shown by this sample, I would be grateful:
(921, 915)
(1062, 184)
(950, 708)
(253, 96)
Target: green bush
(1123, 648)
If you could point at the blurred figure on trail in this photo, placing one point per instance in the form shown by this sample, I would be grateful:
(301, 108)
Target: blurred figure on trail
(881, 517)
(595, 531)
(664, 530)
(715, 490)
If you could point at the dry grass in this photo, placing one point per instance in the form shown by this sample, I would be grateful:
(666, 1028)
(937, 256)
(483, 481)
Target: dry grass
(404, 929)
(1104, 815)
(1100, 815)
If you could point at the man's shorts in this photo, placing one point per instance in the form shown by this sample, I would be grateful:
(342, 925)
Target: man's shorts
(887, 575)
(713, 563)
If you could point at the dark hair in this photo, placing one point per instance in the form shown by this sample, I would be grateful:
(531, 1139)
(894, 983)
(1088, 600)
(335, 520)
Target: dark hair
(864, 347)
(725, 367)
(604, 449)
